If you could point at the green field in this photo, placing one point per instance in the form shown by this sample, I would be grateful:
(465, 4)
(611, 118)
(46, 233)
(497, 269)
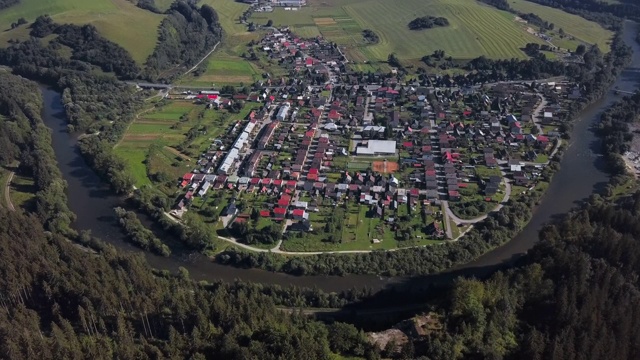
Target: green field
(120, 21)
(574, 25)
(475, 29)
(357, 231)
(150, 144)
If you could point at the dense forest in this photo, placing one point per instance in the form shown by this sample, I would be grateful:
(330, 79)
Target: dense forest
(575, 296)
(25, 138)
(184, 37)
(88, 45)
(71, 303)
(6, 3)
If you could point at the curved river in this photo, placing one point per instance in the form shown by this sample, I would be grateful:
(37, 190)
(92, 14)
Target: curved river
(581, 174)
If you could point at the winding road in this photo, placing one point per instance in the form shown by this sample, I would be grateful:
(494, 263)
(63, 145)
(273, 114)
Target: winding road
(459, 221)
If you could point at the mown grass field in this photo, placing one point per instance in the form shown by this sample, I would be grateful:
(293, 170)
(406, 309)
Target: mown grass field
(120, 21)
(583, 30)
(475, 29)
(149, 145)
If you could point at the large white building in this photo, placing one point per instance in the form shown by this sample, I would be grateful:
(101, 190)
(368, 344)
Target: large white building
(377, 147)
(283, 112)
(291, 3)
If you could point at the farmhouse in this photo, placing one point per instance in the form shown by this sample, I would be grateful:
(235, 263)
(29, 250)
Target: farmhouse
(377, 147)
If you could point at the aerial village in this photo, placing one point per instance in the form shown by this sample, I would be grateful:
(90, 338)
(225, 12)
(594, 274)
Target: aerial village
(419, 159)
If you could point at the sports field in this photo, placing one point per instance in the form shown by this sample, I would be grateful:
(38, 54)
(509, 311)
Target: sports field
(574, 25)
(118, 20)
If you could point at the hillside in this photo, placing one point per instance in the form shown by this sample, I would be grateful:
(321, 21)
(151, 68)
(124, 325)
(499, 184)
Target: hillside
(476, 29)
(120, 21)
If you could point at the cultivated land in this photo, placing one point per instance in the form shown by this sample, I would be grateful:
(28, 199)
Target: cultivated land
(117, 20)
(581, 29)
(475, 29)
(151, 143)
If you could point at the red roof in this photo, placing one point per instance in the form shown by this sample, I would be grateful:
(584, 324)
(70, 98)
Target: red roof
(280, 211)
(312, 177)
(298, 212)
(463, 185)
(287, 198)
(543, 138)
(407, 144)
(313, 171)
(265, 213)
(277, 182)
(187, 176)
(333, 114)
(454, 193)
(255, 181)
(291, 183)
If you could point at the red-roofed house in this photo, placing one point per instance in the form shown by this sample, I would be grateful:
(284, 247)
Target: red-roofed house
(298, 214)
(334, 115)
(279, 213)
(407, 144)
(265, 213)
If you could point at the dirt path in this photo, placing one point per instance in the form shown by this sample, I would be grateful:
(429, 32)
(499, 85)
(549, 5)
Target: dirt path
(201, 60)
(7, 195)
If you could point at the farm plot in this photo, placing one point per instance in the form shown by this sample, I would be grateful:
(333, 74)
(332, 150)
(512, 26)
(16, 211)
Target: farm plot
(156, 146)
(224, 71)
(117, 20)
(474, 29)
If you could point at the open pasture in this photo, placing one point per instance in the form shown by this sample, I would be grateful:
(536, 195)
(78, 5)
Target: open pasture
(573, 25)
(120, 21)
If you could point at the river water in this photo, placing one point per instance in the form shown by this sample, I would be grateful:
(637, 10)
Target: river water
(581, 174)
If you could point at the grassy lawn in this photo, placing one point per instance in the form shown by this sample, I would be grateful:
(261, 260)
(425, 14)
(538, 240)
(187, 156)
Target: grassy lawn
(357, 232)
(576, 26)
(542, 158)
(23, 192)
(485, 172)
(118, 20)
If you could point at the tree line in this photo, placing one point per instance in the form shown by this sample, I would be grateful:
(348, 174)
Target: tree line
(184, 37)
(7, 3)
(573, 296)
(427, 22)
(25, 138)
(89, 46)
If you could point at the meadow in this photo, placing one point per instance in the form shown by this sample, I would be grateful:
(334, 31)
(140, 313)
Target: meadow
(474, 30)
(581, 29)
(120, 21)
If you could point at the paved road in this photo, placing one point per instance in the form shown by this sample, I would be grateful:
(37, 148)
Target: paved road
(458, 221)
(7, 195)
